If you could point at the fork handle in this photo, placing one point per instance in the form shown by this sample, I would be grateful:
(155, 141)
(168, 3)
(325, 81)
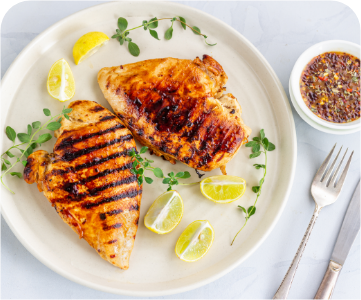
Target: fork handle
(285, 286)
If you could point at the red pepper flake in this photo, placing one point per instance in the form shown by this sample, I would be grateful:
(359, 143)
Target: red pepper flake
(358, 93)
(349, 90)
(323, 78)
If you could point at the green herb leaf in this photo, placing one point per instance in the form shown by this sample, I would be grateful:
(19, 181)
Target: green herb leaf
(166, 180)
(140, 180)
(43, 138)
(121, 41)
(33, 145)
(258, 166)
(8, 153)
(251, 144)
(271, 147)
(253, 155)
(171, 174)
(256, 139)
(53, 126)
(133, 49)
(6, 161)
(256, 148)
(265, 143)
(66, 116)
(67, 110)
(241, 207)
(154, 34)
(148, 180)
(169, 189)
(19, 175)
(158, 173)
(184, 21)
(140, 171)
(186, 175)
(196, 30)
(122, 24)
(154, 24)
(30, 129)
(143, 150)
(28, 151)
(24, 162)
(255, 189)
(36, 124)
(251, 211)
(262, 135)
(179, 174)
(23, 137)
(46, 112)
(10, 133)
(169, 33)
(3, 167)
(115, 36)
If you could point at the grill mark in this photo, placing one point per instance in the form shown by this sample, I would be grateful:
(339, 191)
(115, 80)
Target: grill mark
(134, 207)
(112, 241)
(114, 226)
(69, 156)
(107, 118)
(114, 212)
(108, 171)
(127, 180)
(131, 193)
(69, 141)
(112, 256)
(97, 161)
(97, 108)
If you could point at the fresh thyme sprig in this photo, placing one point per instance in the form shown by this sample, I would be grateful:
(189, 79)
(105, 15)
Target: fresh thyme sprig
(122, 32)
(29, 140)
(256, 145)
(144, 164)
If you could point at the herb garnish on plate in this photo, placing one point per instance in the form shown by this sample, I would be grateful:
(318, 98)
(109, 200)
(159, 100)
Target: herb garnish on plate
(123, 32)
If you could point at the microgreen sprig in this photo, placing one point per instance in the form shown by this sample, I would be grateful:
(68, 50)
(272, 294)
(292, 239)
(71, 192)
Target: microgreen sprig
(122, 32)
(30, 141)
(140, 165)
(256, 144)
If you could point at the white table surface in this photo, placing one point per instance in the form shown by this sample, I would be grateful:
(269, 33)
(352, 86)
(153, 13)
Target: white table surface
(281, 31)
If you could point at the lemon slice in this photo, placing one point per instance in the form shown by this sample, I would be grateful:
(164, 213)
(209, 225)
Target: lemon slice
(165, 213)
(88, 44)
(60, 83)
(223, 188)
(195, 241)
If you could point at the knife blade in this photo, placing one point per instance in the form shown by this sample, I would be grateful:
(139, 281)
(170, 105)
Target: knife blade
(349, 229)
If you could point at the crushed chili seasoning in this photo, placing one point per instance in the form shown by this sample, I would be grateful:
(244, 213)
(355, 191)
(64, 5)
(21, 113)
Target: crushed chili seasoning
(330, 86)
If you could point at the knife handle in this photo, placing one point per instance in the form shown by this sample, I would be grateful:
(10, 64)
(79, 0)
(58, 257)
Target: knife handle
(329, 281)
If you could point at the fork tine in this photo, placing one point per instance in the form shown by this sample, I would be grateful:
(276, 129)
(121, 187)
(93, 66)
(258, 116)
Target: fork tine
(323, 167)
(344, 174)
(328, 174)
(334, 176)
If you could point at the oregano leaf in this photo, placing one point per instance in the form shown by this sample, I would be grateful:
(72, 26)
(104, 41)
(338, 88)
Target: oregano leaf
(46, 112)
(169, 33)
(143, 149)
(8, 153)
(241, 207)
(154, 34)
(133, 49)
(196, 30)
(148, 180)
(43, 138)
(10, 133)
(271, 147)
(23, 137)
(3, 167)
(253, 155)
(53, 126)
(255, 189)
(30, 129)
(19, 175)
(262, 135)
(183, 24)
(158, 173)
(251, 211)
(122, 24)
(154, 24)
(36, 124)
(24, 162)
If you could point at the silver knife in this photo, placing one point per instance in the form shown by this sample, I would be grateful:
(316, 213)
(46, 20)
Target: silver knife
(348, 232)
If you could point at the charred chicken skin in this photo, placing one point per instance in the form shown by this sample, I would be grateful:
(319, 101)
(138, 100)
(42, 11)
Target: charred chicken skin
(177, 107)
(88, 180)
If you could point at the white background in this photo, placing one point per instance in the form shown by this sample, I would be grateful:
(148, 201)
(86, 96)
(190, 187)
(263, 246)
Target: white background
(281, 31)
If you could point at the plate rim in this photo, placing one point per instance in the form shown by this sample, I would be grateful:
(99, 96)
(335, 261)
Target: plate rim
(226, 270)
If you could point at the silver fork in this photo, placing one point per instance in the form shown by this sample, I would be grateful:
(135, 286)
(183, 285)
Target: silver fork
(325, 191)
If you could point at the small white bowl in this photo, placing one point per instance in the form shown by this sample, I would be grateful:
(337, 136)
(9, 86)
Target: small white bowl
(303, 60)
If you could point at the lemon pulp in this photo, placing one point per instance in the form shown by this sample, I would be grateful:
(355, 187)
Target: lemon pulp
(60, 82)
(165, 213)
(195, 241)
(223, 188)
(88, 44)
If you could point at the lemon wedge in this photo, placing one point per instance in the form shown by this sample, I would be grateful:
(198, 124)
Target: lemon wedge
(61, 83)
(195, 241)
(165, 213)
(88, 44)
(223, 188)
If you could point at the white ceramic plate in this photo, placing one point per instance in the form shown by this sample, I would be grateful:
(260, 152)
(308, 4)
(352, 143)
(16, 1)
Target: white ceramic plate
(154, 267)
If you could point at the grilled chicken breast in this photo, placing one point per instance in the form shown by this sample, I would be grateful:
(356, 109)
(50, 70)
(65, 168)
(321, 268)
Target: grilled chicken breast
(178, 109)
(88, 180)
